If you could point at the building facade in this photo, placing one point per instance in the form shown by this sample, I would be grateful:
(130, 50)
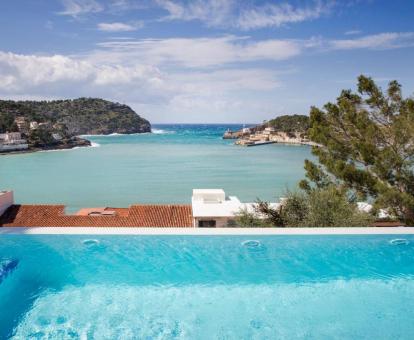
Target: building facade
(12, 141)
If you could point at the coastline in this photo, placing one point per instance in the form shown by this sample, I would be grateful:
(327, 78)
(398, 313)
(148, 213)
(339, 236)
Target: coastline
(263, 134)
(80, 143)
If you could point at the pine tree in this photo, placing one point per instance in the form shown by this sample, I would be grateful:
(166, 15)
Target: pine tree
(366, 145)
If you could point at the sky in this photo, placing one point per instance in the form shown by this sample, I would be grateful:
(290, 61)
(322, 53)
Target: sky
(203, 61)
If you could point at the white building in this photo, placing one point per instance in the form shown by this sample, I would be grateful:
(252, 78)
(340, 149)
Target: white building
(11, 141)
(57, 136)
(212, 208)
(6, 200)
(11, 137)
(21, 124)
(34, 125)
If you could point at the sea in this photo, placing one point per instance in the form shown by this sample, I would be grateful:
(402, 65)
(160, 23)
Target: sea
(159, 167)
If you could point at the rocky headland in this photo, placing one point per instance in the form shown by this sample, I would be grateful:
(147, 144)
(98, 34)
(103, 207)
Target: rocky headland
(287, 129)
(27, 126)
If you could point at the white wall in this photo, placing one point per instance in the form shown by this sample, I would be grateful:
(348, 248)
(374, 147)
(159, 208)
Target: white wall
(6, 200)
(209, 195)
(13, 147)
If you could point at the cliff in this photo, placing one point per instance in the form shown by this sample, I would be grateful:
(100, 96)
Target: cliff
(78, 116)
(44, 125)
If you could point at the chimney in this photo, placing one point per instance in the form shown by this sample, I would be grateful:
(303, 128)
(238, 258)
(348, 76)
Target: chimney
(6, 200)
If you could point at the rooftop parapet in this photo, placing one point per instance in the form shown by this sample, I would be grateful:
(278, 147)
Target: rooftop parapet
(6, 200)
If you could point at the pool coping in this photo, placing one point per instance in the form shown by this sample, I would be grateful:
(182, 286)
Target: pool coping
(203, 231)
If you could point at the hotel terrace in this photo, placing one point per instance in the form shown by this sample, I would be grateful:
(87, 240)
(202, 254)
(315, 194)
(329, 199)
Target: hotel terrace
(209, 208)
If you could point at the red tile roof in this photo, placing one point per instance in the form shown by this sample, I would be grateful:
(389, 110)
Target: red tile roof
(134, 216)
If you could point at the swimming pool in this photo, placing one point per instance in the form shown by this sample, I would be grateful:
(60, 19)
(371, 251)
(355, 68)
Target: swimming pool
(206, 287)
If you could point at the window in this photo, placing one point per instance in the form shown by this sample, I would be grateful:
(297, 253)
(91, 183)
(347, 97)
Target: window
(207, 224)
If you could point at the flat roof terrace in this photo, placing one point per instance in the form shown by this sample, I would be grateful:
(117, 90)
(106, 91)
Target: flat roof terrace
(166, 216)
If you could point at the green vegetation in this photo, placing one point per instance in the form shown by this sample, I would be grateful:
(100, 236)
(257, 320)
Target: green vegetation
(290, 123)
(366, 147)
(245, 219)
(41, 137)
(326, 207)
(78, 116)
(7, 123)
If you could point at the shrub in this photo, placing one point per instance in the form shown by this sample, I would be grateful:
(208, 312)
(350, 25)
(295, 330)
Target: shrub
(321, 207)
(295, 209)
(40, 137)
(246, 219)
(330, 207)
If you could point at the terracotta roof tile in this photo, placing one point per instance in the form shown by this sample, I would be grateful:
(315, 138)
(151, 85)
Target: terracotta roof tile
(135, 216)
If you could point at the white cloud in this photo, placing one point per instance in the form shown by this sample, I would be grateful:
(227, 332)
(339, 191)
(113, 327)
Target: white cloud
(198, 52)
(177, 79)
(119, 26)
(227, 80)
(272, 15)
(377, 41)
(353, 32)
(212, 12)
(126, 5)
(26, 73)
(231, 13)
(78, 7)
(184, 94)
(28, 70)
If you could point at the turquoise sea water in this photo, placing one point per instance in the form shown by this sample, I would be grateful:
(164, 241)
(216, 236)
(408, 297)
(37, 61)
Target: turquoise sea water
(162, 167)
(209, 287)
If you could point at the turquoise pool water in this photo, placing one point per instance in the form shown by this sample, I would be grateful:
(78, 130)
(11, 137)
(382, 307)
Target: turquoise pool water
(162, 167)
(207, 287)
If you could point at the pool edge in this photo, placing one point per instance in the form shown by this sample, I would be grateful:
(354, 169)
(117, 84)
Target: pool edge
(204, 231)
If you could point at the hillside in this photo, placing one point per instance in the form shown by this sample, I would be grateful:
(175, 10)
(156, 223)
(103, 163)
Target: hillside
(290, 124)
(77, 117)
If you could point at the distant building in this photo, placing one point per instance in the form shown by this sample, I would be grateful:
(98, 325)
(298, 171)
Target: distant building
(6, 201)
(268, 131)
(164, 216)
(34, 125)
(45, 125)
(22, 124)
(212, 208)
(12, 141)
(57, 136)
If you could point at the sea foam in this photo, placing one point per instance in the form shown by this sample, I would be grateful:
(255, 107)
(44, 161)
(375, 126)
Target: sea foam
(161, 132)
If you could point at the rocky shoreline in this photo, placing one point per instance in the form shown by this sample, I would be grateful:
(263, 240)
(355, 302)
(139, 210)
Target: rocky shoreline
(284, 130)
(30, 126)
(75, 142)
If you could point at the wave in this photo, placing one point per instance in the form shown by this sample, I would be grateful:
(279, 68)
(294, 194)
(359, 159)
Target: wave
(93, 145)
(109, 135)
(161, 132)
(115, 134)
(59, 150)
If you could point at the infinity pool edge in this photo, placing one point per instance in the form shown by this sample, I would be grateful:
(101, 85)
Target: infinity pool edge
(202, 231)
